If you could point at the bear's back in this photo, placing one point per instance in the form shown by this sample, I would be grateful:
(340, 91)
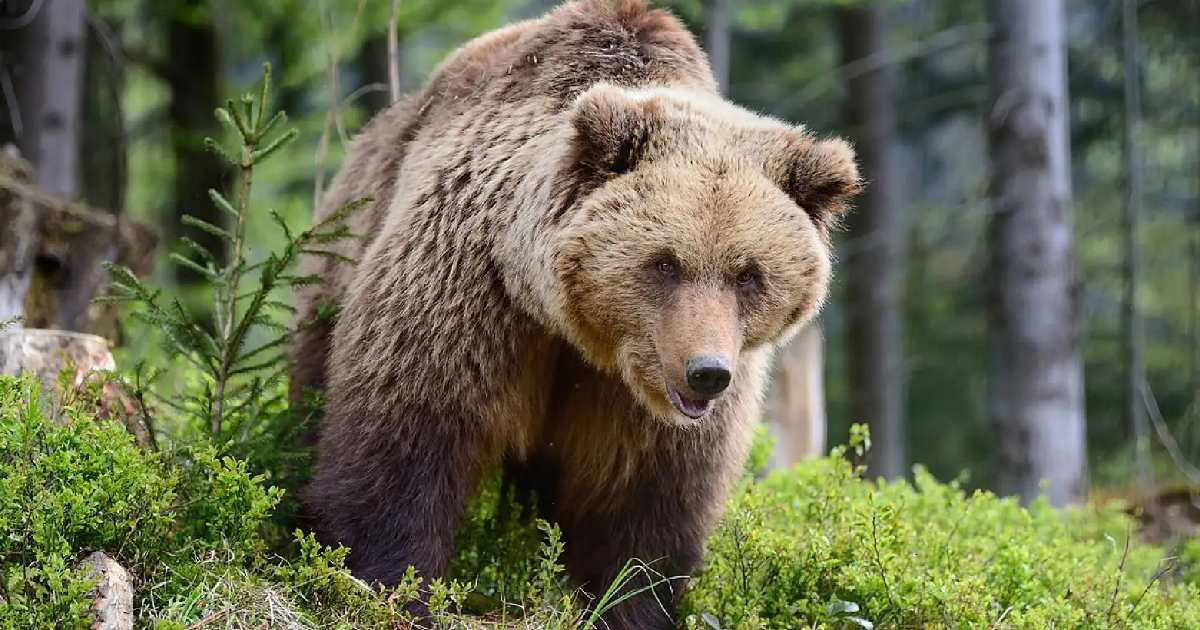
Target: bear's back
(495, 93)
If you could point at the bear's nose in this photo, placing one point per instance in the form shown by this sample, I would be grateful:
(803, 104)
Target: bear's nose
(708, 375)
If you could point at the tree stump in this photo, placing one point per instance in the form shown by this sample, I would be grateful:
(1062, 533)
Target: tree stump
(47, 353)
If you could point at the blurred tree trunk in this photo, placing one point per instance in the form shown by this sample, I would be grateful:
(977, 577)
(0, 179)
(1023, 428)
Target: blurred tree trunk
(1194, 299)
(1035, 397)
(1131, 321)
(47, 64)
(718, 40)
(373, 63)
(193, 74)
(796, 400)
(875, 261)
(103, 156)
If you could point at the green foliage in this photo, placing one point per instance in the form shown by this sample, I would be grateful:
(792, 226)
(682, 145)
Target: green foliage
(228, 393)
(77, 485)
(188, 524)
(818, 546)
(63, 489)
(498, 544)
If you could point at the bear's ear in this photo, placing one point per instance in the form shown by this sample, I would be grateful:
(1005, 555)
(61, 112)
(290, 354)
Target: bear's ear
(612, 131)
(821, 176)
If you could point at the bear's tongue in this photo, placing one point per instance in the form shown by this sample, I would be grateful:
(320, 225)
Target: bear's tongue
(690, 407)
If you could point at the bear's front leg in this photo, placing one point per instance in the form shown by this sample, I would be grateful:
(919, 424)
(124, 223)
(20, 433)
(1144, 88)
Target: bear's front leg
(659, 516)
(393, 488)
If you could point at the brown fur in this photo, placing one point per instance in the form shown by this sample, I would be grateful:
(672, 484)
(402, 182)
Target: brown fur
(510, 305)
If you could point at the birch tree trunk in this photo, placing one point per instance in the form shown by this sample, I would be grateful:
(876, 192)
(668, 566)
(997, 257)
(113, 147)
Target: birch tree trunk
(48, 68)
(796, 400)
(48, 62)
(42, 49)
(718, 41)
(1035, 398)
(875, 257)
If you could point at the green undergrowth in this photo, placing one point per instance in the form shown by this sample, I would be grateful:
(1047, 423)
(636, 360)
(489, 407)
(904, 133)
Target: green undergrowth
(815, 546)
(818, 546)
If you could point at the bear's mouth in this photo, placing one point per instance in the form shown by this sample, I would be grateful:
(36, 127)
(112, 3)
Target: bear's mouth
(693, 408)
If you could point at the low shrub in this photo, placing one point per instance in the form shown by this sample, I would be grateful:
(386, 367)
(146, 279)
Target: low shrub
(192, 527)
(76, 484)
(817, 546)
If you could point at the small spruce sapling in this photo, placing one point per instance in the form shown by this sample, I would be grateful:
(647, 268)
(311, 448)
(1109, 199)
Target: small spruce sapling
(240, 378)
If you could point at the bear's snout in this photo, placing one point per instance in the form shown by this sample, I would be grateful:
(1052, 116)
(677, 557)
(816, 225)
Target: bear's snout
(708, 375)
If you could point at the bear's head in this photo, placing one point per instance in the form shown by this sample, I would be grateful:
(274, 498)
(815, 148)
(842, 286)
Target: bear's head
(698, 232)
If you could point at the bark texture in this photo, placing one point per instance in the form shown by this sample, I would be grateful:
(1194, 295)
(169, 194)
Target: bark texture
(47, 59)
(1036, 377)
(194, 92)
(47, 65)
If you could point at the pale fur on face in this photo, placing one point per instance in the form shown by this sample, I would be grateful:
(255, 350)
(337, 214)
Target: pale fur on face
(718, 192)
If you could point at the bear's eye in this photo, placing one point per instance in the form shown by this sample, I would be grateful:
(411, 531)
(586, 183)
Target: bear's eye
(667, 268)
(747, 279)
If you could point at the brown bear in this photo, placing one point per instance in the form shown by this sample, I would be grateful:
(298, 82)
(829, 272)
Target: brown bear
(578, 261)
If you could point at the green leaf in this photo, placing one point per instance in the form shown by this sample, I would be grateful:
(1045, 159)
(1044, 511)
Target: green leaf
(263, 99)
(222, 203)
(215, 147)
(201, 224)
(239, 120)
(274, 146)
(188, 263)
(331, 255)
(280, 118)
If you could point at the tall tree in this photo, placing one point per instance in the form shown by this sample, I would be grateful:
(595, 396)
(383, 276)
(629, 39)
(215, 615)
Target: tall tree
(1131, 321)
(875, 257)
(1035, 397)
(796, 400)
(718, 40)
(46, 44)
